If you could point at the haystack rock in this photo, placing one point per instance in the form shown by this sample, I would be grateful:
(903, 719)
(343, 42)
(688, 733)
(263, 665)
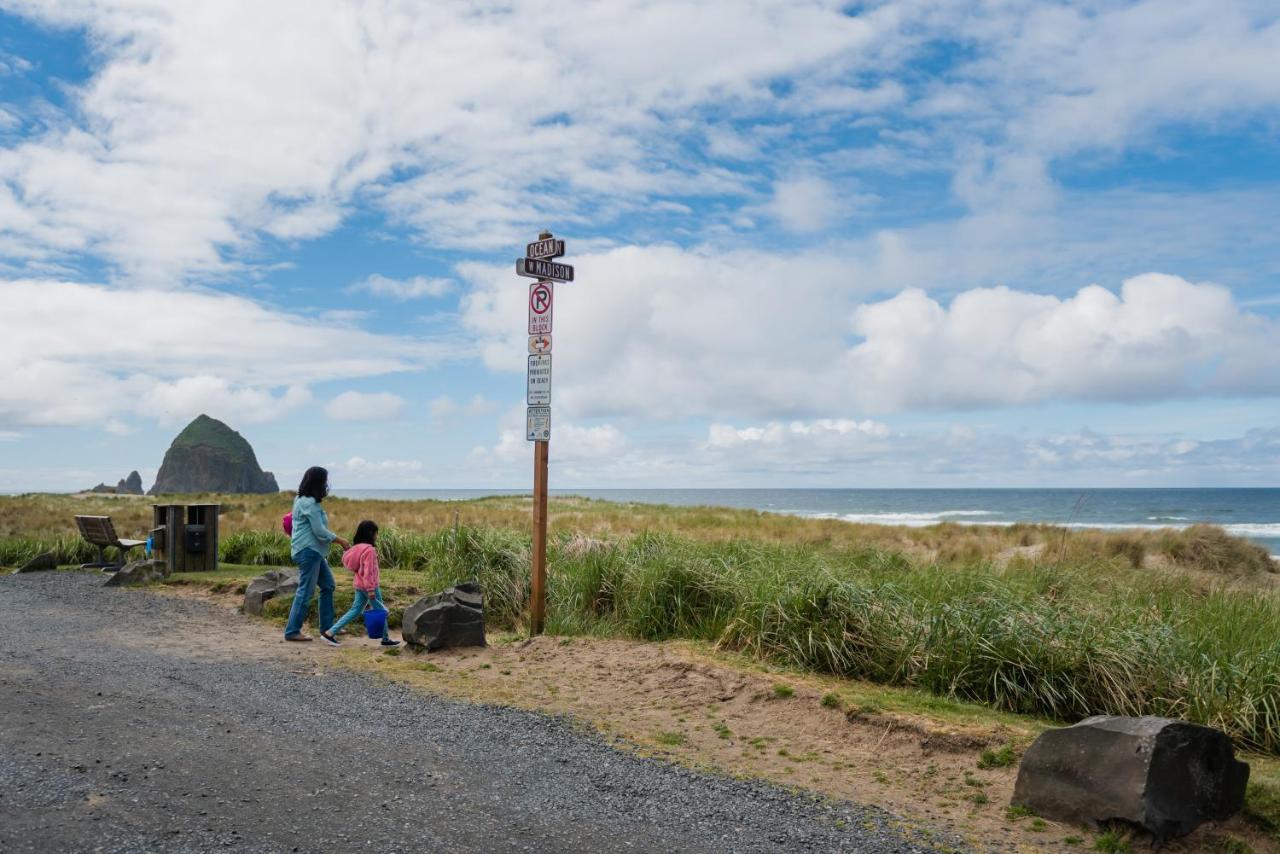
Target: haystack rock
(208, 456)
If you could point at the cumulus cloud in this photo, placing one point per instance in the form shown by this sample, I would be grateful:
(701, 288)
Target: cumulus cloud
(658, 333)
(416, 287)
(79, 354)
(1161, 337)
(364, 406)
(445, 408)
(804, 204)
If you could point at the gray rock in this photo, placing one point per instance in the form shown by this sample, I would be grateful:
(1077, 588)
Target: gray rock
(1162, 775)
(277, 582)
(40, 563)
(138, 572)
(452, 617)
(131, 485)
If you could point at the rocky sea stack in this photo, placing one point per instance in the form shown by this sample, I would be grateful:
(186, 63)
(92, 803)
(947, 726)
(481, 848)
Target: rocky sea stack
(208, 456)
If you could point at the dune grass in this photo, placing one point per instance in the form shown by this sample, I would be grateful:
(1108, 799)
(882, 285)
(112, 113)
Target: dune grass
(1028, 619)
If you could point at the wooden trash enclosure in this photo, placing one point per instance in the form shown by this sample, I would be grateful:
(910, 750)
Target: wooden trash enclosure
(185, 536)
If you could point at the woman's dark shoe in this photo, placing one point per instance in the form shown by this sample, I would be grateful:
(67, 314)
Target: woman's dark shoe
(298, 637)
(390, 642)
(328, 638)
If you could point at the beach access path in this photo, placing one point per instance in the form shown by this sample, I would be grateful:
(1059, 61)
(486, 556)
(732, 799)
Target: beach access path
(131, 721)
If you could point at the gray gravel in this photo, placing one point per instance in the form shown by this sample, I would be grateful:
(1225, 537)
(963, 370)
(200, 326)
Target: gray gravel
(113, 739)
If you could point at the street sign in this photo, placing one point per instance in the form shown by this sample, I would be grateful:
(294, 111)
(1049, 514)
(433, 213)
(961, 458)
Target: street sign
(538, 424)
(537, 268)
(548, 248)
(539, 344)
(541, 296)
(539, 387)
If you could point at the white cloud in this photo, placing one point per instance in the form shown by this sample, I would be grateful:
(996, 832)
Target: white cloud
(804, 204)
(445, 408)
(10, 435)
(416, 287)
(361, 466)
(1161, 337)
(364, 406)
(660, 333)
(77, 354)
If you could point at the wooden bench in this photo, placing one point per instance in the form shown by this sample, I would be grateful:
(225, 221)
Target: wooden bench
(99, 531)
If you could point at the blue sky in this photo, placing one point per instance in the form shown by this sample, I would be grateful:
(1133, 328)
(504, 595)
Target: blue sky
(900, 243)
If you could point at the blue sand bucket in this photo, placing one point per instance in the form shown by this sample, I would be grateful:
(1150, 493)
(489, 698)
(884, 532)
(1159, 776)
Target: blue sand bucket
(375, 622)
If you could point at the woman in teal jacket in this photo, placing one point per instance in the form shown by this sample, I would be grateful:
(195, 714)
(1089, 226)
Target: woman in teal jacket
(310, 544)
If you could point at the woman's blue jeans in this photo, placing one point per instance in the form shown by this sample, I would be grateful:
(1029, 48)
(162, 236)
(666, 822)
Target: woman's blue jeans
(313, 572)
(357, 607)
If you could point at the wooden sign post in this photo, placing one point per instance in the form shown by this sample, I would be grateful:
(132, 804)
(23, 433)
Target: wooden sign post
(537, 264)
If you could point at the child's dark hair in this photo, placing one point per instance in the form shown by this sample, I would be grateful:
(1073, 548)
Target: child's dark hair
(366, 532)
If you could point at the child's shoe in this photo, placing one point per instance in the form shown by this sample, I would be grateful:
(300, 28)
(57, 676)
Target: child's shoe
(328, 638)
(390, 642)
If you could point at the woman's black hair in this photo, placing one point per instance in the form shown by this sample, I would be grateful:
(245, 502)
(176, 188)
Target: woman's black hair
(315, 483)
(366, 532)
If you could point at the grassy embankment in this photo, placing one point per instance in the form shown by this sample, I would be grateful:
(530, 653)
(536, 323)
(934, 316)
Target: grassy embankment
(1028, 619)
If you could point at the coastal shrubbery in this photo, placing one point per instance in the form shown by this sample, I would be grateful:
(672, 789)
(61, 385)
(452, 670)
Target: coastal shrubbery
(1028, 618)
(1089, 635)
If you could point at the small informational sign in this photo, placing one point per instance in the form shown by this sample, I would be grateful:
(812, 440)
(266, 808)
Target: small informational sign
(539, 344)
(548, 248)
(538, 424)
(541, 296)
(539, 388)
(537, 268)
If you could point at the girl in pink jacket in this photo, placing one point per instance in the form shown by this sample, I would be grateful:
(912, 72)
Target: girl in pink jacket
(362, 560)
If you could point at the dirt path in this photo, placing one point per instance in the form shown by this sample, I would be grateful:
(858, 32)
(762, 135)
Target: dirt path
(134, 722)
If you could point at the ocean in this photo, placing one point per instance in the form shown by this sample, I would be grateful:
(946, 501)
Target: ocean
(1250, 513)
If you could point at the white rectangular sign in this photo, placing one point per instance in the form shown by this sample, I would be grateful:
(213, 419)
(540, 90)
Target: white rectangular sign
(541, 296)
(538, 424)
(539, 390)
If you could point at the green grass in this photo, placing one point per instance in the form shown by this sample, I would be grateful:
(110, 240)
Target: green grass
(670, 739)
(783, 692)
(1002, 757)
(831, 700)
(1112, 842)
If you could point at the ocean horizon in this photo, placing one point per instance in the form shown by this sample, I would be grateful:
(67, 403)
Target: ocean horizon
(1249, 512)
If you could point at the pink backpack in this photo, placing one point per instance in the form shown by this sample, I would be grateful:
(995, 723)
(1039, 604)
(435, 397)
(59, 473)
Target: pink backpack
(286, 522)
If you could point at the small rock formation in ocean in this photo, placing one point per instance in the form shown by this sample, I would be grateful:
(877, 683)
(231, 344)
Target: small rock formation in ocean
(131, 485)
(208, 456)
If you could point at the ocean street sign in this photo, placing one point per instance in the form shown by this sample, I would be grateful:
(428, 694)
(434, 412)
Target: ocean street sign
(539, 385)
(537, 268)
(539, 344)
(541, 297)
(549, 248)
(538, 424)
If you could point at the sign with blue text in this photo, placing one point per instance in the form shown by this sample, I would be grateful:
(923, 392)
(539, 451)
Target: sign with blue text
(538, 424)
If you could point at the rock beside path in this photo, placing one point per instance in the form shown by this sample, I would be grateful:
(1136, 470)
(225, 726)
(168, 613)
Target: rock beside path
(269, 585)
(452, 617)
(1162, 775)
(138, 572)
(40, 563)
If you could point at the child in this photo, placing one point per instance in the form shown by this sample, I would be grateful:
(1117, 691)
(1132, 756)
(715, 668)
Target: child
(362, 560)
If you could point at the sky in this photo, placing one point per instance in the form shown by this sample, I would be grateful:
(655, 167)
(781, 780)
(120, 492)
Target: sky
(909, 243)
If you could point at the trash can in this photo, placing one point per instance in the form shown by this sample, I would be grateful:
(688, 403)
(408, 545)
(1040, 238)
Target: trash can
(195, 539)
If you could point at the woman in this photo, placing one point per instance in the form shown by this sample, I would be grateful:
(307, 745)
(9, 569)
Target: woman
(310, 543)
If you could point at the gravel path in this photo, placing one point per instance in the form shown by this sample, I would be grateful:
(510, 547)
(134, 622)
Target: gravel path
(119, 733)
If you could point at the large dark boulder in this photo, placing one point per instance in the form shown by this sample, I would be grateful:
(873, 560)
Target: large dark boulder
(208, 456)
(40, 563)
(270, 585)
(453, 617)
(1162, 775)
(138, 572)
